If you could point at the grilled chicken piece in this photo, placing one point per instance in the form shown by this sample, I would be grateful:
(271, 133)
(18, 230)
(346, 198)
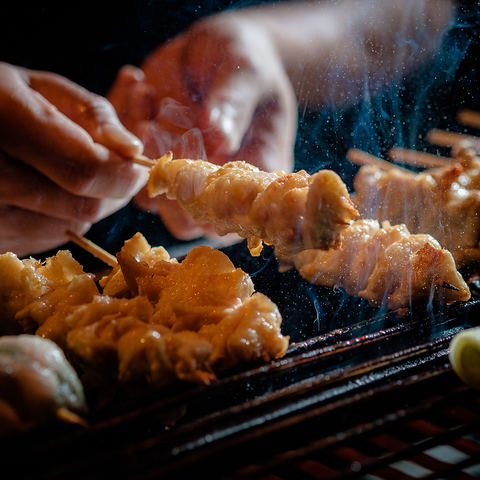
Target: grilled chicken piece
(35, 296)
(180, 321)
(206, 294)
(443, 202)
(292, 211)
(385, 265)
(157, 321)
(113, 342)
(36, 384)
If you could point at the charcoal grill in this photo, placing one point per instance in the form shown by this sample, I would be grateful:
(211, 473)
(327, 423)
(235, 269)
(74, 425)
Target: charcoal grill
(360, 392)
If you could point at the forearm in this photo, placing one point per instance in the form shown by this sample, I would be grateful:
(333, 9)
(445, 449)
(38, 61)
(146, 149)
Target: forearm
(332, 49)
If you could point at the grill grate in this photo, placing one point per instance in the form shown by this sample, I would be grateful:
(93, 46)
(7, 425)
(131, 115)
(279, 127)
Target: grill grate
(374, 397)
(426, 442)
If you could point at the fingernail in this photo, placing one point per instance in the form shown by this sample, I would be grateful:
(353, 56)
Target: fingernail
(118, 135)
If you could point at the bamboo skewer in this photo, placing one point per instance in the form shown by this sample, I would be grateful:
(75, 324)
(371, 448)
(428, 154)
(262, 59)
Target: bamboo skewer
(418, 159)
(469, 118)
(92, 248)
(143, 160)
(444, 138)
(359, 157)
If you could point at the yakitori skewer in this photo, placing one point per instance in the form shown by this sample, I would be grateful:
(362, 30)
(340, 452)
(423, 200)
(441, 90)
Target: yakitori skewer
(92, 248)
(291, 211)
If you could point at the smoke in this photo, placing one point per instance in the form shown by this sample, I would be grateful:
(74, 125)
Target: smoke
(174, 130)
(399, 113)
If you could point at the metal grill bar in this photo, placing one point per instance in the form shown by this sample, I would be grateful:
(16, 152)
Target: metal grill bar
(315, 411)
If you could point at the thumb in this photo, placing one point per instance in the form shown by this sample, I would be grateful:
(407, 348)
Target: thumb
(132, 97)
(227, 113)
(127, 78)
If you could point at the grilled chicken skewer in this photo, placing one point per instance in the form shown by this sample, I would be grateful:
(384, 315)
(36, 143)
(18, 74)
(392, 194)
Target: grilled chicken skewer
(292, 211)
(419, 270)
(385, 265)
(443, 202)
(155, 321)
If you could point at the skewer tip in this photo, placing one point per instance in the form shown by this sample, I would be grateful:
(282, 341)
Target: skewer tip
(469, 118)
(144, 161)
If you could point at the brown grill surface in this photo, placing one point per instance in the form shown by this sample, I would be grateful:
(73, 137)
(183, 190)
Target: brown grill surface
(360, 394)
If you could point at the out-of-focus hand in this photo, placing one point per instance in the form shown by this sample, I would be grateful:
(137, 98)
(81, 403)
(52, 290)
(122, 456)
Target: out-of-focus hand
(217, 92)
(63, 160)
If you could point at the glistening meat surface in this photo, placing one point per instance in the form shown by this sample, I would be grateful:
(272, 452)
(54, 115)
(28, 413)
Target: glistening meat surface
(293, 212)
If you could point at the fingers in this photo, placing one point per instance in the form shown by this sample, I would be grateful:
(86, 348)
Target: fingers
(92, 112)
(32, 130)
(227, 114)
(133, 99)
(259, 122)
(23, 187)
(222, 84)
(24, 232)
(35, 212)
(246, 107)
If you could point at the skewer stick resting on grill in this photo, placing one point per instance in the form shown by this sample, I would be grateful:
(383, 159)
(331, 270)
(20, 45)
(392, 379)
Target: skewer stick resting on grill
(418, 159)
(92, 248)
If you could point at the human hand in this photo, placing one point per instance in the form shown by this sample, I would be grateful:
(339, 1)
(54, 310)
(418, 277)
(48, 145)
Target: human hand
(217, 92)
(63, 160)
